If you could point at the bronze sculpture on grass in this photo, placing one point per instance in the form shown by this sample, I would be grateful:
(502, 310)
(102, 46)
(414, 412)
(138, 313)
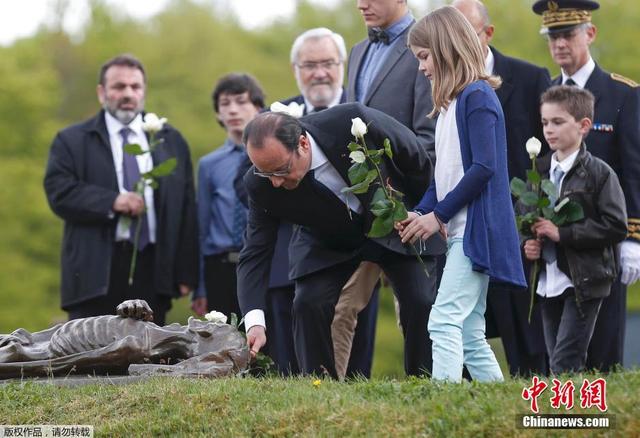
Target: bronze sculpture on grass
(128, 343)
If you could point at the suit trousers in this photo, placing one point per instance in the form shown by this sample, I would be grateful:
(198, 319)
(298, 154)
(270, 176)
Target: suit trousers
(317, 295)
(221, 284)
(280, 347)
(607, 343)
(119, 289)
(568, 328)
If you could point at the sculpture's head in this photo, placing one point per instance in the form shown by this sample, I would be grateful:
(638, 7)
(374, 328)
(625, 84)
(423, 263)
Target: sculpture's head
(214, 337)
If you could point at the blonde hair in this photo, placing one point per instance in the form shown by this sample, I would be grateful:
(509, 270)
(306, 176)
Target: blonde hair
(457, 55)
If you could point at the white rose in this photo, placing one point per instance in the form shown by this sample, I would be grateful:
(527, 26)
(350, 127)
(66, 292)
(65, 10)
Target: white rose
(296, 110)
(151, 122)
(215, 316)
(358, 127)
(533, 147)
(357, 157)
(293, 109)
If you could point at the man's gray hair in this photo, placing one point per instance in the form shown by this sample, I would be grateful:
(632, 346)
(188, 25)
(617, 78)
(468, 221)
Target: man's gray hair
(316, 33)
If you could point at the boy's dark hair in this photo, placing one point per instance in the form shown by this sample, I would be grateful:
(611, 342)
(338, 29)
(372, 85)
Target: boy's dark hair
(575, 100)
(125, 60)
(238, 83)
(284, 128)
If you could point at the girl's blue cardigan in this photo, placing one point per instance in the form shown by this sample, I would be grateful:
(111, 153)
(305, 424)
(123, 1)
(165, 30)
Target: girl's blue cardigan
(490, 237)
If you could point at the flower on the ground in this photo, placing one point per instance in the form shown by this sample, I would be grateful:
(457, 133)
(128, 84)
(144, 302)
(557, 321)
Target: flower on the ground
(152, 123)
(357, 157)
(293, 109)
(215, 316)
(533, 147)
(358, 127)
(317, 383)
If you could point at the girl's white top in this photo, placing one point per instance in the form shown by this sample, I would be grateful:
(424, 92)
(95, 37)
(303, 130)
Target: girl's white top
(449, 170)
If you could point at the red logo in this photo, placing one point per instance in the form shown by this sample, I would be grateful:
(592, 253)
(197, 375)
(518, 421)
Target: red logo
(592, 394)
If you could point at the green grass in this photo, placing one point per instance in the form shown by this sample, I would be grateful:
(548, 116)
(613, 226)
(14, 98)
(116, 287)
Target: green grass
(296, 407)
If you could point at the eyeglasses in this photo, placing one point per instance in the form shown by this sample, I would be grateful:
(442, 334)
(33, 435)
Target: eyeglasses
(311, 66)
(277, 173)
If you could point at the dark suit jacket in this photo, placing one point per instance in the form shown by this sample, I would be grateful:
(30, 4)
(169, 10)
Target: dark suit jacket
(615, 135)
(399, 89)
(81, 186)
(522, 85)
(327, 235)
(299, 99)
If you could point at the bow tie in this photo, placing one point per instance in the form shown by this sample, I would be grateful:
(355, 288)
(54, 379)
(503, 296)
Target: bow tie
(376, 36)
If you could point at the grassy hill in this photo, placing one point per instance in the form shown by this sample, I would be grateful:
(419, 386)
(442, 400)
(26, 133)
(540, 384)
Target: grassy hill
(298, 407)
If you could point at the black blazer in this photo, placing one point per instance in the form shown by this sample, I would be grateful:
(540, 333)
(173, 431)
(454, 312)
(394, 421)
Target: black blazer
(615, 135)
(299, 99)
(81, 186)
(399, 89)
(522, 85)
(327, 234)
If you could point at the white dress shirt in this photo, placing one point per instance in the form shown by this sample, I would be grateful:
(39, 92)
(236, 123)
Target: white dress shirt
(334, 102)
(581, 76)
(145, 164)
(489, 62)
(553, 282)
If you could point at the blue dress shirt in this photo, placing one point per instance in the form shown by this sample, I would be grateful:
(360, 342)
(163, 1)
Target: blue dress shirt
(377, 54)
(217, 201)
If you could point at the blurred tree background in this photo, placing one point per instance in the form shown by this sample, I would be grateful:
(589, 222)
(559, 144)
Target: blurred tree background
(48, 81)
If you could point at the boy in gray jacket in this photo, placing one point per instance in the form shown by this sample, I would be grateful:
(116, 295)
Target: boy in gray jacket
(580, 257)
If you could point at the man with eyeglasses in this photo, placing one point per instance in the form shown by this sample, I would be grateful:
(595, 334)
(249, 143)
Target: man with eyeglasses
(300, 169)
(317, 58)
(522, 85)
(614, 138)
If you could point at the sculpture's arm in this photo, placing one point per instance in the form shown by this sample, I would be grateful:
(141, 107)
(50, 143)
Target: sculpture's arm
(136, 309)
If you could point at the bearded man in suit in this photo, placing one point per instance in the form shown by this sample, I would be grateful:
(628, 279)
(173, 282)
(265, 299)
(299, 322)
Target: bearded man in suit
(89, 184)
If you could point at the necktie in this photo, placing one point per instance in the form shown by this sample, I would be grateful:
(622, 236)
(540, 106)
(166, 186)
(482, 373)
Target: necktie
(549, 247)
(376, 36)
(317, 109)
(130, 176)
(570, 82)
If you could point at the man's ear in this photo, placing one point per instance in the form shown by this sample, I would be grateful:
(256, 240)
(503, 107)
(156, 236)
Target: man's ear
(591, 33)
(304, 142)
(489, 32)
(100, 91)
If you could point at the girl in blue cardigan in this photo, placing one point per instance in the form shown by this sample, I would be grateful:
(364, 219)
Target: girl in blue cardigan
(468, 201)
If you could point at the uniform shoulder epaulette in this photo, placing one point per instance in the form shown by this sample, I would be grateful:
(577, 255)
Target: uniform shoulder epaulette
(620, 78)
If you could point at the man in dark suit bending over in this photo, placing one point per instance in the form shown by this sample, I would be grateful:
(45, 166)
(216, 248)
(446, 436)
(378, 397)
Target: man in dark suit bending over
(300, 167)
